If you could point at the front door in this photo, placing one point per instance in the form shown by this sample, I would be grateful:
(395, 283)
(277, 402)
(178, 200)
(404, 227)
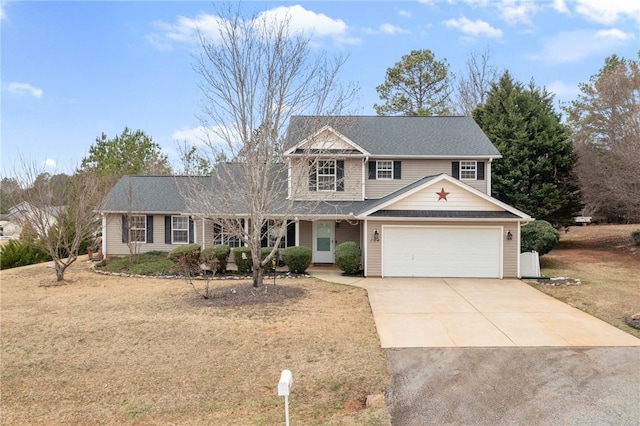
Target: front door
(323, 241)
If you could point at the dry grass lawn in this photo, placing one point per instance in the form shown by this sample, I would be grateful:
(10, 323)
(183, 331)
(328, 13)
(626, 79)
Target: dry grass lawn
(114, 350)
(608, 264)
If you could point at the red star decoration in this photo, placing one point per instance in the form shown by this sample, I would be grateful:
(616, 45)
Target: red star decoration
(442, 195)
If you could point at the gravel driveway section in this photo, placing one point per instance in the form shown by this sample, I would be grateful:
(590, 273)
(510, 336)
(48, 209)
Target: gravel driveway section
(507, 386)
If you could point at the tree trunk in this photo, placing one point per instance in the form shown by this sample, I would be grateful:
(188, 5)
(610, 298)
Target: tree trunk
(258, 275)
(59, 267)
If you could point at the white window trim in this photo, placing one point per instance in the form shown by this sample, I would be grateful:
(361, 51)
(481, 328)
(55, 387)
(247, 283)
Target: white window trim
(173, 229)
(387, 169)
(335, 176)
(475, 170)
(135, 228)
(225, 239)
(270, 239)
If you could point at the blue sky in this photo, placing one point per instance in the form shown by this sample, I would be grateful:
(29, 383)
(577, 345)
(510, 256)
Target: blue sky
(72, 70)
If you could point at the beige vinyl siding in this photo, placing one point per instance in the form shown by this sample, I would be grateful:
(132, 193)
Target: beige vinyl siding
(456, 199)
(352, 181)
(115, 246)
(510, 249)
(306, 233)
(413, 170)
(347, 232)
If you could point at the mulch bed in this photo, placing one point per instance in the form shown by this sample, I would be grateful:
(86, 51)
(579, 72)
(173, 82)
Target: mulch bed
(245, 294)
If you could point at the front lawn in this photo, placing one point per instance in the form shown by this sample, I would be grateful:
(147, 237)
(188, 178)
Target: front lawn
(121, 351)
(607, 262)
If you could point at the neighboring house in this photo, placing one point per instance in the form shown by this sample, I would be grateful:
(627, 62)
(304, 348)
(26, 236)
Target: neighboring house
(414, 192)
(26, 213)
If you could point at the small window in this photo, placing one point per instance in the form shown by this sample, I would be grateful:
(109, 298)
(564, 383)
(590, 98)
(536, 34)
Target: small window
(468, 170)
(138, 229)
(222, 235)
(273, 228)
(326, 177)
(179, 229)
(384, 170)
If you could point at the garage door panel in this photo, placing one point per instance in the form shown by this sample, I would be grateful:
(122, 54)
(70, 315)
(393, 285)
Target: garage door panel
(441, 252)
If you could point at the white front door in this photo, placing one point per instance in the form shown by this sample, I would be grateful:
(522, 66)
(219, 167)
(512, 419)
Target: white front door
(323, 241)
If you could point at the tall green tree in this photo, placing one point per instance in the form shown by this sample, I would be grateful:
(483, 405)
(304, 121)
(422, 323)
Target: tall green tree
(131, 152)
(417, 85)
(536, 172)
(605, 119)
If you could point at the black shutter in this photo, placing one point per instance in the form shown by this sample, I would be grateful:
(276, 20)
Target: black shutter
(167, 229)
(312, 176)
(340, 175)
(264, 242)
(125, 229)
(455, 169)
(149, 229)
(291, 233)
(480, 170)
(372, 169)
(191, 239)
(217, 234)
(397, 170)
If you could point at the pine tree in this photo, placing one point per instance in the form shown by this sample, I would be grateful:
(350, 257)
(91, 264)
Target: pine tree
(535, 174)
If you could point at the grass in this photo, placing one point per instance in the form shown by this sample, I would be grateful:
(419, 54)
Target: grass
(152, 263)
(607, 262)
(129, 351)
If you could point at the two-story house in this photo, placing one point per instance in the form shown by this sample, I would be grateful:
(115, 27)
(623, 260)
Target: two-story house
(414, 192)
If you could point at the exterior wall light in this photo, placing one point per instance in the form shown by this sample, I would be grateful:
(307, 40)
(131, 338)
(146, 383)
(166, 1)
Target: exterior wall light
(376, 235)
(509, 235)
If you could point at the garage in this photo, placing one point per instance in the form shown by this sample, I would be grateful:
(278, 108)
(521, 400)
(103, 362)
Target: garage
(430, 251)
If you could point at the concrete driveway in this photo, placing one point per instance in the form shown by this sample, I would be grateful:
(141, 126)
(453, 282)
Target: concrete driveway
(458, 312)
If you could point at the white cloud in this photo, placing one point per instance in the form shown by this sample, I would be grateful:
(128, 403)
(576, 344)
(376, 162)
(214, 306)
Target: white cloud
(193, 136)
(609, 11)
(573, 46)
(517, 11)
(22, 89)
(211, 136)
(404, 13)
(387, 29)
(475, 28)
(614, 33)
(49, 163)
(3, 14)
(560, 6)
(563, 90)
(314, 25)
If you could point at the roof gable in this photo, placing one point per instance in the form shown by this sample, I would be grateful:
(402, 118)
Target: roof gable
(326, 140)
(441, 193)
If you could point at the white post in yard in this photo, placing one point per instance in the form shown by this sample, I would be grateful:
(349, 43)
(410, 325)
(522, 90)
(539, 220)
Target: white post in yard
(284, 387)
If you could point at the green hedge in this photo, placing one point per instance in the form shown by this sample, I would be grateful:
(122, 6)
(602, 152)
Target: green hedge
(186, 259)
(218, 255)
(539, 236)
(297, 259)
(636, 237)
(14, 254)
(243, 263)
(348, 256)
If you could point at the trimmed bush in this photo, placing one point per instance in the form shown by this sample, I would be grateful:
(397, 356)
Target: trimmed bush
(242, 256)
(348, 257)
(186, 259)
(636, 237)
(540, 236)
(14, 254)
(297, 259)
(216, 255)
(153, 263)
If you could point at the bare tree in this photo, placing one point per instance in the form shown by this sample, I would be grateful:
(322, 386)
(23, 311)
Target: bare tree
(605, 119)
(474, 83)
(256, 74)
(58, 229)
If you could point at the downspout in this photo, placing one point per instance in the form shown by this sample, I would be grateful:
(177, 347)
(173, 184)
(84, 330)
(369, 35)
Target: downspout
(364, 175)
(104, 235)
(488, 173)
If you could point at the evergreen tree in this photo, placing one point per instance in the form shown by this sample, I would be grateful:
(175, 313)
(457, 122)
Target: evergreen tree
(535, 174)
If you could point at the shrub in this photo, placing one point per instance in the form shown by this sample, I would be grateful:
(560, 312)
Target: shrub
(636, 237)
(216, 255)
(264, 252)
(148, 263)
(186, 259)
(297, 259)
(14, 254)
(540, 236)
(348, 257)
(242, 256)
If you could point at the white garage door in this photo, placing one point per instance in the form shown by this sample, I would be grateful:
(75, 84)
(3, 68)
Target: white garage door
(441, 252)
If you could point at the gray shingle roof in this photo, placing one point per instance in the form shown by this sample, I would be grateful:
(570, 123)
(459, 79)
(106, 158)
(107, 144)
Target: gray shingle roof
(402, 136)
